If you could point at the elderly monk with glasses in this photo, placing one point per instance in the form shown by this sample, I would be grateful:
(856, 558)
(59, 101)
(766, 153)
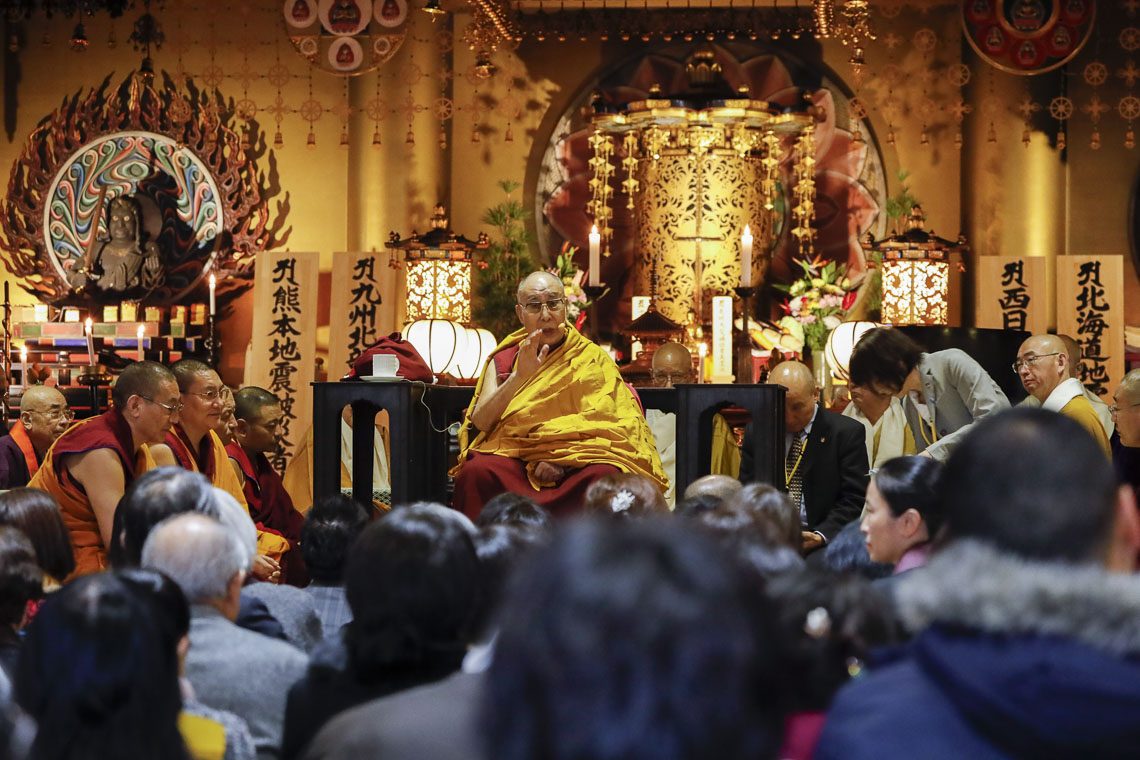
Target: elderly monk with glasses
(1043, 365)
(192, 443)
(44, 415)
(550, 414)
(89, 467)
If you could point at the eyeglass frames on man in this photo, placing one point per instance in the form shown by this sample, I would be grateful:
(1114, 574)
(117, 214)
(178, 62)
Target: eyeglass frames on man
(1030, 361)
(170, 408)
(536, 307)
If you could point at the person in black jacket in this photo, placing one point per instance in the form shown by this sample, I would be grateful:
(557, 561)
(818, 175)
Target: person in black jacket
(825, 458)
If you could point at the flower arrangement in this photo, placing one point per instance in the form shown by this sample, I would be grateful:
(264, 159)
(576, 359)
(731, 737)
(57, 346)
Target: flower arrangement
(817, 302)
(566, 270)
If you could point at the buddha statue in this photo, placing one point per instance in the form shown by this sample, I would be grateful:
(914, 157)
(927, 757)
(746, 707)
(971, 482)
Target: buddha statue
(125, 261)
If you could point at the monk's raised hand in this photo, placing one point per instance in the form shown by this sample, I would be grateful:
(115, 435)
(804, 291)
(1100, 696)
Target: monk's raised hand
(531, 354)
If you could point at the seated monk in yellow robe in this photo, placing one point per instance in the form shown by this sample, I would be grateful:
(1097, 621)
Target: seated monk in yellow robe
(550, 414)
(89, 467)
(192, 444)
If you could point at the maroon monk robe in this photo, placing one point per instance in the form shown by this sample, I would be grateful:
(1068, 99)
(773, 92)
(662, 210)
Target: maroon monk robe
(271, 508)
(485, 476)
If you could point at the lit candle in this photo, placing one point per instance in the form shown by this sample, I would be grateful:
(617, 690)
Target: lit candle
(24, 365)
(88, 327)
(702, 352)
(213, 287)
(746, 258)
(139, 333)
(595, 257)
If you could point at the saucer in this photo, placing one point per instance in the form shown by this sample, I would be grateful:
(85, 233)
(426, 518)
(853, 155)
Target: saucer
(382, 378)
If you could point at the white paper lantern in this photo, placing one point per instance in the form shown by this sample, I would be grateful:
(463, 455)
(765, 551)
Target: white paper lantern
(841, 342)
(439, 341)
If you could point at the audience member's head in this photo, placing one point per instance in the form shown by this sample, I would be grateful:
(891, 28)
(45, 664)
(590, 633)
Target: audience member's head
(331, 526)
(883, 360)
(691, 506)
(721, 487)
(903, 508)
(802, 396)
(37, 515)
(97, 675)
(759, 547)
(624, 495)
(412, 582)
(513, 509)
(777, 516)
(152, 497)
(168, 604)
(1042, 364)
(21, 579)
(1032, 483)
(499, 548)
(258, 413)
(630, 640)
(202, 556)
(827, 624)
(1126, 409)
(847, 552)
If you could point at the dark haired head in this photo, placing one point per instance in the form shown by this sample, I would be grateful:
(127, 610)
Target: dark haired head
(37, 514)
(827, 623)
(775, 513)
(184, 371)
(249, 401)
(499, 548)
(21, 579)
(150, 499)
(513, 509)
(139, 379)
(882, 359)
(1030, 482)
(166, 599)
(331, 526)
(758, 545)
(97, 674)
(412, 582)
(847, 552)
(912, 483)
(630, 640)
(624, 495)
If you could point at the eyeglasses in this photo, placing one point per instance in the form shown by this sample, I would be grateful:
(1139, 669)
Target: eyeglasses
(210, 395)
(536, 307)
(55, 415)
(1030, 360)
(1116, 407)
(170, 408)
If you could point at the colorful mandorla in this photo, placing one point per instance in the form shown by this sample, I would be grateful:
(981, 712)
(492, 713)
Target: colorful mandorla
(845, 207)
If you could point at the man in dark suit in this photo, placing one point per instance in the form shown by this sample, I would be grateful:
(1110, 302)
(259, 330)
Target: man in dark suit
(825, 458)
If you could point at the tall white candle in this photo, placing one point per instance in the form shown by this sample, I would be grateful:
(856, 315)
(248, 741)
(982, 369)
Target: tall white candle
(595, 277)
(746, 258)
(24, 365)
(88, 327)
(213, 288)
(702, 352)
(139, 334)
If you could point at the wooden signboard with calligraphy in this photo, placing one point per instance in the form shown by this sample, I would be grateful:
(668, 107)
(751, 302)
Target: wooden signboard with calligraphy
(363, 305)
(284, 343)
(1090, 308)
(1012, 293)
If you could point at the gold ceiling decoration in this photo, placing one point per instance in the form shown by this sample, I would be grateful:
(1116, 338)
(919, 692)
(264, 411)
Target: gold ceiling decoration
(696, 167)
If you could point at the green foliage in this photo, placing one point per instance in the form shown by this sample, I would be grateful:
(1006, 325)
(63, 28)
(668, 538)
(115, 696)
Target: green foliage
(500, 267)
(900, 204)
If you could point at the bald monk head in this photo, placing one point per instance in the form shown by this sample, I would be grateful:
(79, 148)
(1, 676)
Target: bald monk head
(258, 413)
(803, 394)
(1073, 349)
(203, 397)
(541, 308)
(45, 414)
(1042, 364)
(147, 396)
(717, 486)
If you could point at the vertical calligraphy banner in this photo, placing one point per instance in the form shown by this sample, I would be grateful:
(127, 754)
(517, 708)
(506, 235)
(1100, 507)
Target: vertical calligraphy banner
(1012, 293)
(284, 343)
(360, 311)
(1090, 308)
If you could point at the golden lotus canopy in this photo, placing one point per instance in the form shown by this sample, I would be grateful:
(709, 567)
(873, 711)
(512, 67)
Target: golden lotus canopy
(697, 167)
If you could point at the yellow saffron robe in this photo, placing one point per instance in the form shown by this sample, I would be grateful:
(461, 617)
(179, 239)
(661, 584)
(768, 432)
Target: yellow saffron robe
(575, 411)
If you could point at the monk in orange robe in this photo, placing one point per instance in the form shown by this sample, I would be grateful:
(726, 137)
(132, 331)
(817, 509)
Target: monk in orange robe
(44, 416)
(550, 414)
(258, 413)
(192, 444)
(89, 467)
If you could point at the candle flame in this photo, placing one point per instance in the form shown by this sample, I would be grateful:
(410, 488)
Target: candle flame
(747, 236)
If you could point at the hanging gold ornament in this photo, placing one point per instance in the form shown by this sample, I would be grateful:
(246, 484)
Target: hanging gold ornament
(804, 210)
